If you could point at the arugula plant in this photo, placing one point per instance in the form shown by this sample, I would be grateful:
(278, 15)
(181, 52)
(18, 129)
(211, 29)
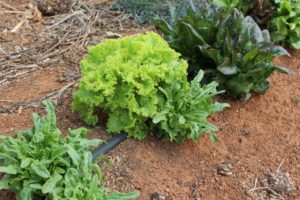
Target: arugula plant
(40, 164)
(285, 25)
(183, 110)
(231, 48)
(125, 78)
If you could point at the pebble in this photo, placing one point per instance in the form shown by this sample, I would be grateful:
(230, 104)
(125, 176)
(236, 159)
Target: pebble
(225, 170)
(157, 196)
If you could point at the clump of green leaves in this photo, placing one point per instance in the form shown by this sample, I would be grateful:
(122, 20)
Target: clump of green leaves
(260, 10)
(245, 6)
(285, 25)
(40, 164)
(126, 78)
(231, 48)
(281, 17)
(183, 110)
(122, 77)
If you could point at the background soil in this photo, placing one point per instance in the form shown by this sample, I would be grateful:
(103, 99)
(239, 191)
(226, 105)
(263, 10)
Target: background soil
(257, 137)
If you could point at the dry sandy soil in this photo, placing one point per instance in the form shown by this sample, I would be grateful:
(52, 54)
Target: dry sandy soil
(258, 138)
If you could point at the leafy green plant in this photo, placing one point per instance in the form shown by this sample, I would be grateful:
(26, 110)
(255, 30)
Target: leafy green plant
(245, 6)
(183, 110)
(125, 78)
(285, 25)
(190, 29)
(231, 48)
(40, 164)
(260, 10)
(281, 17)
(122, 77)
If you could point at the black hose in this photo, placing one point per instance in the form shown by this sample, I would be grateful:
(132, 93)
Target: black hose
(109, 145)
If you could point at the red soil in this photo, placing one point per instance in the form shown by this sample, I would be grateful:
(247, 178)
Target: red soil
(255, 138)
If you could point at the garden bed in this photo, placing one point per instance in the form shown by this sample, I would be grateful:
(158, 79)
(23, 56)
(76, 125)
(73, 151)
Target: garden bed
(257, 137)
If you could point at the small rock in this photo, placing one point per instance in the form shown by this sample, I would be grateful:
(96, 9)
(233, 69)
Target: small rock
(225, 170)
(5, 110)
(157, 196)
(61, 79)
(245, 133)
(67, 76)
(296, 151)
(70, 75)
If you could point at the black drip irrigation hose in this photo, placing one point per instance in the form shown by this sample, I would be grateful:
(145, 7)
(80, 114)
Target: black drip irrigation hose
(109, 145)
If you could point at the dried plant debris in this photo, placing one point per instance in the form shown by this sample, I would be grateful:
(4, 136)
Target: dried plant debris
(54, 7)
(57, 39)
(273, 187)
(279, 181)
